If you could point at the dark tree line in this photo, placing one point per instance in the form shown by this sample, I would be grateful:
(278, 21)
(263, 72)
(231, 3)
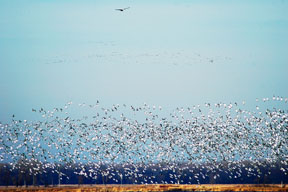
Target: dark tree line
(240, 173)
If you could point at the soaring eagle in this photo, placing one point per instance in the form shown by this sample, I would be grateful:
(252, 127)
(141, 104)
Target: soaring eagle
(122, 9)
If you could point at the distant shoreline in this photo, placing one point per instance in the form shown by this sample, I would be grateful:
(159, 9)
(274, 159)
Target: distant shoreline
(149, 187)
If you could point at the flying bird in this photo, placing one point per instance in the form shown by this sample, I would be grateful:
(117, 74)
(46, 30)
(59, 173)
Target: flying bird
(122, 9)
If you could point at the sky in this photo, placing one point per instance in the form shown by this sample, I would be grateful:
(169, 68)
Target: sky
(168, 53)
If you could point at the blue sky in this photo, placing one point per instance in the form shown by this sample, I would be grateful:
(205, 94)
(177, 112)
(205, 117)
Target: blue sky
(170, 53)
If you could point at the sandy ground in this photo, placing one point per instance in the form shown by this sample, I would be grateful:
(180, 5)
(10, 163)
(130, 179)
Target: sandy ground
(156, 187)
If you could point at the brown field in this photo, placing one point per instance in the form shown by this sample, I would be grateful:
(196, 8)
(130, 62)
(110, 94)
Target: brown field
(156, 187)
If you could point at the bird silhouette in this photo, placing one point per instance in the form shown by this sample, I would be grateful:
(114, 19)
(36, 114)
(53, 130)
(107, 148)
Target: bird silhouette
(122, 9)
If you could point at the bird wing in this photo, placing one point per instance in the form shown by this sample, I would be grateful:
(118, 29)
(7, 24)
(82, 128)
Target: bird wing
(122, 9)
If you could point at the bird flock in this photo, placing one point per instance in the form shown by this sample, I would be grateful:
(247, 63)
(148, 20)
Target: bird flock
(142, 136)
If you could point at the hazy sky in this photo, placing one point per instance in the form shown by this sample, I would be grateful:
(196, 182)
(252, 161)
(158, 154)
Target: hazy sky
(170, 53)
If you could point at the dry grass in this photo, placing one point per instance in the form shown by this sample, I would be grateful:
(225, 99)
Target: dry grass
(158, 187)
